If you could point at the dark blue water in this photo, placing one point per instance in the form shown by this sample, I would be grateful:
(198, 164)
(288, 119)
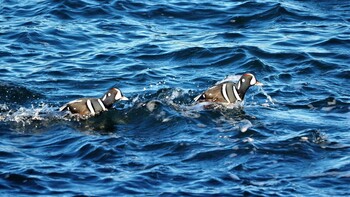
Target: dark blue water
(291, 137)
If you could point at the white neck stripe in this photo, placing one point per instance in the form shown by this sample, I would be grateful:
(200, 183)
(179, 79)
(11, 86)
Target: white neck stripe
(224, 93)
(104, 97)
(102, 105)
(91, 109)
(236, 94)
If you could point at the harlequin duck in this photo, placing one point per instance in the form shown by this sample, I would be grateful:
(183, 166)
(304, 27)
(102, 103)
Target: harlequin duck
(86, 107)
(229, 92)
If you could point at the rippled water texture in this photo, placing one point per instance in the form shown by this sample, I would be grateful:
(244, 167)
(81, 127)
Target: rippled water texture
(291, 137)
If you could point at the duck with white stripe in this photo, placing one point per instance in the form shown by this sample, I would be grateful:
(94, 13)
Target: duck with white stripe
(86, 107)
(229, 92)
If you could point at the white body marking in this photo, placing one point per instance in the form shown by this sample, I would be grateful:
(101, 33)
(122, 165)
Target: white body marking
(75, 101)
(91, 109)
(236, 94)
(104, 97)
(197, 97)
(224, 93)
(102, 105)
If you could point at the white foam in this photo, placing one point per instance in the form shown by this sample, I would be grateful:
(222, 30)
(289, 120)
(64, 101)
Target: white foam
(244, 125)
(234, 177)
(27, 116)
(4, 107)
(236, 105)
(212, 105)
(327, 109)
(333, 102)
(304, 139)
(269, 98)
(248, 139)
(151, 105)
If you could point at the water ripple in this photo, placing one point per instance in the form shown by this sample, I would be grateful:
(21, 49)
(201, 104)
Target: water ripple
(288, 137)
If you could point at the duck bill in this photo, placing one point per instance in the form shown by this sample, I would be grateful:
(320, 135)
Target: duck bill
(259, 83)
(124, 98)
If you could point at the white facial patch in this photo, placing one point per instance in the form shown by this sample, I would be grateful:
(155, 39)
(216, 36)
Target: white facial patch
(253, 81)
(243, 80)
(109, 94)
(118, 95)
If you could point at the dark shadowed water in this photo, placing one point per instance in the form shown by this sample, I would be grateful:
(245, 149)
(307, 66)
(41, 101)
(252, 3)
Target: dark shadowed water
(291, 137)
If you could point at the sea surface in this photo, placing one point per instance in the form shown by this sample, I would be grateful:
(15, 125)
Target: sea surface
(290, 137)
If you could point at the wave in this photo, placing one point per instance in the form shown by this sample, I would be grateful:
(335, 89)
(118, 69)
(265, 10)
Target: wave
(258, 14)
(200, 54)
(171, 11)
(334, 42)
(164, 107)
(23, 108)
(162, 54)
(16, 94)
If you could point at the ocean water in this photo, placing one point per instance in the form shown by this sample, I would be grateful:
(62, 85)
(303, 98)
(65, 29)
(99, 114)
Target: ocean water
(290, 138)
